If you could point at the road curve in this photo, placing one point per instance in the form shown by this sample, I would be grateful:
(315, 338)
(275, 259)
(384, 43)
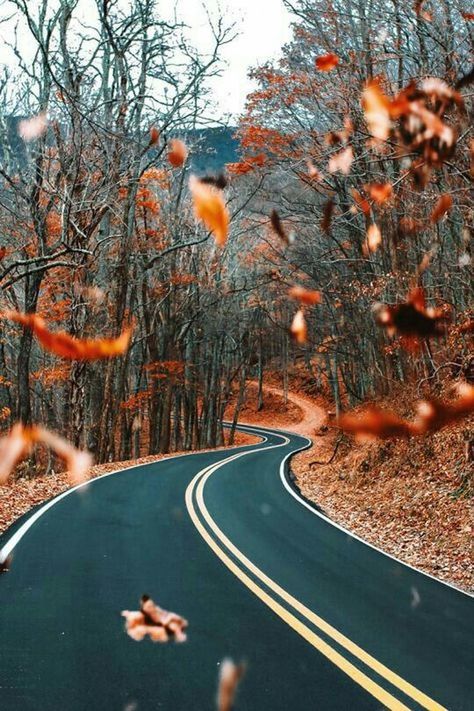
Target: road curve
(323, 620)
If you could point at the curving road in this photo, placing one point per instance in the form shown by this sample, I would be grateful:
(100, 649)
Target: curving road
(323, 620)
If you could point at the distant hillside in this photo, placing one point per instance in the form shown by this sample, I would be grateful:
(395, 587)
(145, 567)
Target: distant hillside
(212, 148)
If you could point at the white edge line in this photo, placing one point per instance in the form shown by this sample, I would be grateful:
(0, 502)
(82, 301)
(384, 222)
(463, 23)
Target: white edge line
(18, 535)
(292, 490)
(314, 511)
(13, 541)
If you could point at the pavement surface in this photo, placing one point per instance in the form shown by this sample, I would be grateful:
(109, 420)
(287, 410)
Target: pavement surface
(322, 620)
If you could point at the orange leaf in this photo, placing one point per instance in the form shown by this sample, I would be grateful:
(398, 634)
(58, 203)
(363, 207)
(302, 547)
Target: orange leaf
(376, 106)
(305, 296)
(433, 414)
(154, 136)
(443, 205)
(341, 161)
(18, 443)
(327, 62)
(361, 202)
(374, 422)
(380, 192)
(299, 328)
(210, 208)
(177, 153)
(230, 675)
(62, 344)
(373, 239)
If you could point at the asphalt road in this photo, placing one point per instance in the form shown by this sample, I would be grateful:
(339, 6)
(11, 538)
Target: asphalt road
(323, 620)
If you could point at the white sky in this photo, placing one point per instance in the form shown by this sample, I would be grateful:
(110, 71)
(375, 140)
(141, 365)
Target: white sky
(263, 27)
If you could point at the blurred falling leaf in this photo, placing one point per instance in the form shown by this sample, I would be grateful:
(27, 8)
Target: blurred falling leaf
(177, 153)
(62, 344)
(230, 675)
(210, 208)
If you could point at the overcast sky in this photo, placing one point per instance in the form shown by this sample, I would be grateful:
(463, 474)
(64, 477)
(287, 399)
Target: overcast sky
(263, 26)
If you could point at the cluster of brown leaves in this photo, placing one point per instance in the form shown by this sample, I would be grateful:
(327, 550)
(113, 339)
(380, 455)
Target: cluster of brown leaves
(62, 344)
(433, 415)
(19, 442)
(415, 120)
(152, 620)
(412, 320)
(230, 675)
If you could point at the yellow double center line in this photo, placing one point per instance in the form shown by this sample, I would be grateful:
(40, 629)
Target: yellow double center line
(195, 491)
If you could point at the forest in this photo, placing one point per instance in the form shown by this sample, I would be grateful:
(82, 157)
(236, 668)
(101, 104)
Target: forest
(175, 280)
(352, 178)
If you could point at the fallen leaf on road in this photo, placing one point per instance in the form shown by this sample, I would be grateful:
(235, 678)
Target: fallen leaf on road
(152, 620)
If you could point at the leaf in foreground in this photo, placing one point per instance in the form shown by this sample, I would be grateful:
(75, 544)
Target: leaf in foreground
(299, 328)
(279, 228)
(309, 297)
(326, 62)
(62, 344)
(177, 153)
(32, 128)
(19, 442)
(161, 625)
(432, 415)
(210, 209)
(230, 675)
(412, 319)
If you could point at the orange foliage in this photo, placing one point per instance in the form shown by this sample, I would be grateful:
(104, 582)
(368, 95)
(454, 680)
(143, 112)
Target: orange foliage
(53, 224)
(247, 165)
